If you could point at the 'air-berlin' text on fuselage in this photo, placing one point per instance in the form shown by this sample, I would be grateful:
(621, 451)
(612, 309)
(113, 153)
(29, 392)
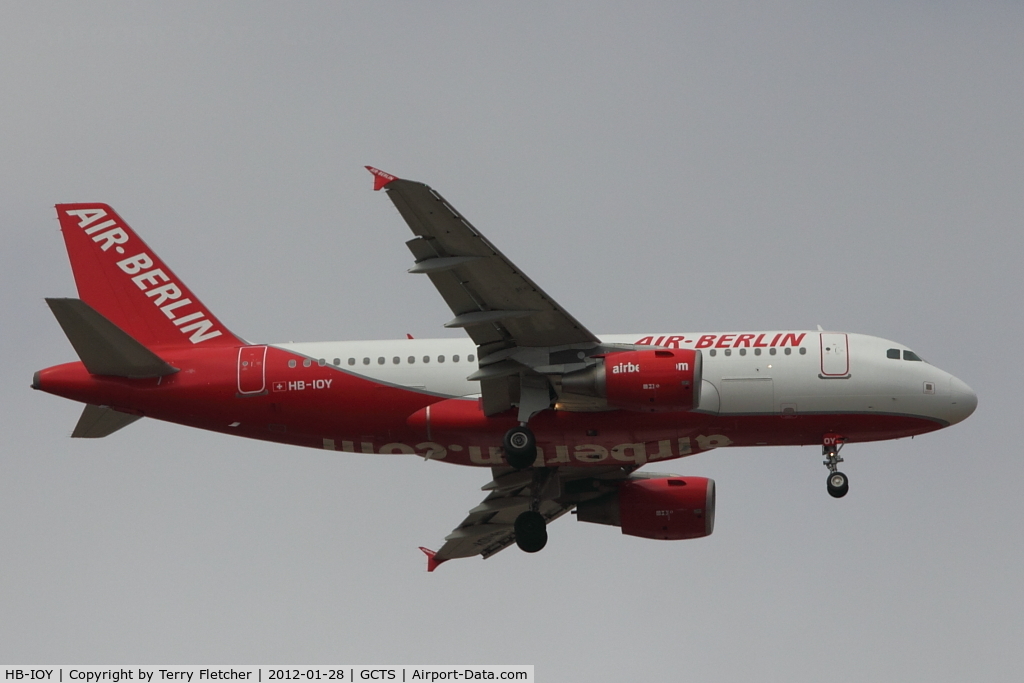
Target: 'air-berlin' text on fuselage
(165, 294)
(726, 341)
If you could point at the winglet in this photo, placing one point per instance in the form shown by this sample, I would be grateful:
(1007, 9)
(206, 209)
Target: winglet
(431, 562)
(380, 178)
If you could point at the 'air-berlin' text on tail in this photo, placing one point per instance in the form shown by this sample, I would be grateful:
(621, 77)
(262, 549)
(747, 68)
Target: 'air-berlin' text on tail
(126, 282)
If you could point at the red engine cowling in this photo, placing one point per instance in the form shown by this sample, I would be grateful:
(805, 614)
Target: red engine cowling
(667, 508)
(656, 380)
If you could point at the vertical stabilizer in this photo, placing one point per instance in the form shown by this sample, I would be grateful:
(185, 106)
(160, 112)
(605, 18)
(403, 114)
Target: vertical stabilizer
(127, 283)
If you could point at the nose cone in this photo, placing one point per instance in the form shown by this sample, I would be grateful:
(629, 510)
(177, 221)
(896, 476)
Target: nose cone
(963, 401)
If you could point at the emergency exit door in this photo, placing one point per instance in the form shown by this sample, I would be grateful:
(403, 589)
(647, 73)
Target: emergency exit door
(251, 372)
(835, 355)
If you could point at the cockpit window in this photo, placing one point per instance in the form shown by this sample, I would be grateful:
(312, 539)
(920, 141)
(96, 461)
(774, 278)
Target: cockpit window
(893, 353)
(910, 355)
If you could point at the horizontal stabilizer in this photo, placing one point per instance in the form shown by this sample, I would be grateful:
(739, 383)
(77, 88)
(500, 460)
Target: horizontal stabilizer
(105, 349)
(100, 421)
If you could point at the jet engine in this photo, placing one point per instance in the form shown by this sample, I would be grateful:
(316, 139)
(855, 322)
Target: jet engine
(664, 508)
(650, 381)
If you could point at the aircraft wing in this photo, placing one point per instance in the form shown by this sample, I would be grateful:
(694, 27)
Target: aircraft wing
(494, 301)
(488, 528)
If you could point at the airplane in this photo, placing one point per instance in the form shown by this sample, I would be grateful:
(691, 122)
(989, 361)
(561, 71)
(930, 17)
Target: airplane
(564, 419)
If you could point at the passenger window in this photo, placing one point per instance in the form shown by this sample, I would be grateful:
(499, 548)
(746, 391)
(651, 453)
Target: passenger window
(440, 359)
(306, 363)
(757, 352)
(893, 353)
(322, 362)
(470, 358)
(713, 352)
(910, 355)
(366, 361)
(426, 359)
(728, 352)
(455, 358)
(743, 352)
(291, 363)
(788, 350)
(380, 360)
(771, 352)
(803, 351)
(351, 361)
(337, 361)
(396, 360)
(412, 359)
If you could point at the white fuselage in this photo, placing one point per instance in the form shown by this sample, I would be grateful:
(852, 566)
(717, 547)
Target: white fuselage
(806, 372)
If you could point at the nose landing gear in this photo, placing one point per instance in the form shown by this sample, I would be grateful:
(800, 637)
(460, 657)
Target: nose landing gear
(837, 482)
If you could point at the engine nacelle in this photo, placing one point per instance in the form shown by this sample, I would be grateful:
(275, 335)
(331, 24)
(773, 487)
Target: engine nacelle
(666, 508)
(658, 380)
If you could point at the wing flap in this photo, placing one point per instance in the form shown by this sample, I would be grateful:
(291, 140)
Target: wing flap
(498, 394)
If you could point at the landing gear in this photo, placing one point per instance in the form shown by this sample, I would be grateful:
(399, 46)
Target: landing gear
(520, 448)
(530, 526)
(838, 484)
(531, 531)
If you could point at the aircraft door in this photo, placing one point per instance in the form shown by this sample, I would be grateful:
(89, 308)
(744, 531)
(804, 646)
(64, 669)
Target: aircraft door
(835, 355)
(251, 370)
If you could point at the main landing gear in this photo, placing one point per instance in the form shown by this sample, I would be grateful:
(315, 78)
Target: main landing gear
(520, 447)
(531, 531)
(838, 484)
(521, 452)
(530, 526)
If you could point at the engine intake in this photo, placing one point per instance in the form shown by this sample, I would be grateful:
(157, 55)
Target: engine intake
(665, 508)
(651, 381)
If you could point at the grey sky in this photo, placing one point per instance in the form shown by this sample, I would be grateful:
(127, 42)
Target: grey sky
(655, 167)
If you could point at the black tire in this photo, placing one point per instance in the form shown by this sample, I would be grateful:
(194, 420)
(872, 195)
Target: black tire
(531, 531)
(838, 484)
(520, 447)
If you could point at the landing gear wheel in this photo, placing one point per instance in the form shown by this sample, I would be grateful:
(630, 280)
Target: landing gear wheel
(838, 484)
(531, 531)
(520, 448)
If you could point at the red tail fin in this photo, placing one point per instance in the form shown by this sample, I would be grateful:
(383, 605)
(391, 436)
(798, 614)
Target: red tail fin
(121, 277)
